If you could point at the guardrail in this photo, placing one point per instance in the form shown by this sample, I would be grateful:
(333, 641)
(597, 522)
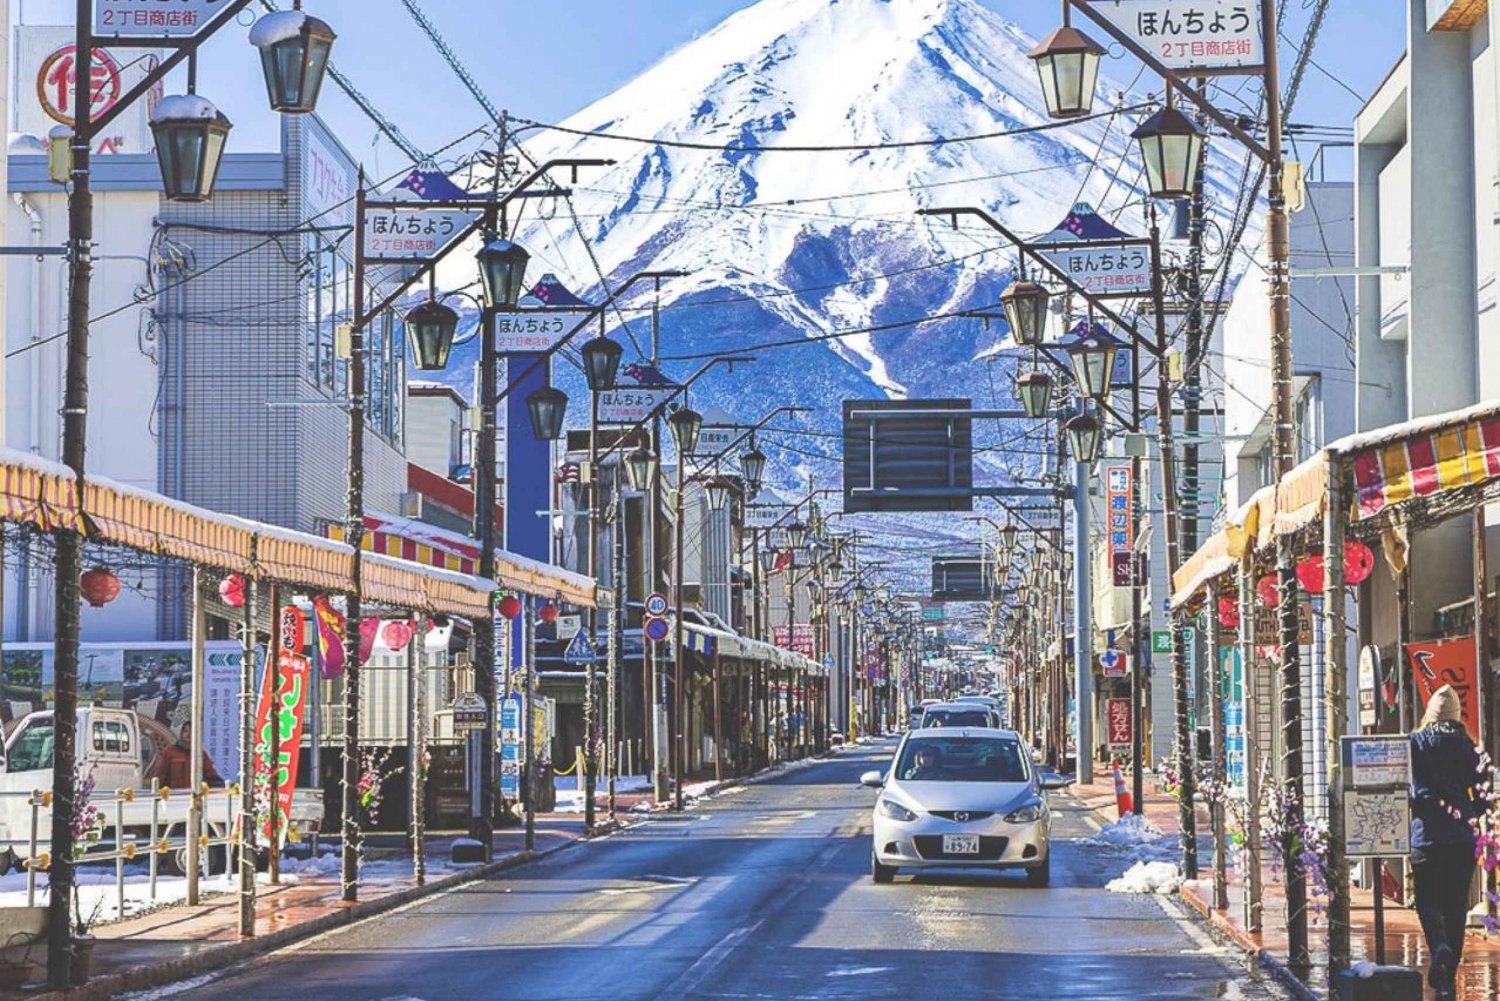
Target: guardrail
(125, 847)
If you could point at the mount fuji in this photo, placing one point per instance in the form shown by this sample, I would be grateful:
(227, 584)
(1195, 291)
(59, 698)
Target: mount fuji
(785, 245)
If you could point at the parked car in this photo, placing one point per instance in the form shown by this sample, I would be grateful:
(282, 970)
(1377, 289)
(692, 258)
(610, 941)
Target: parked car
(961, 798)
(118, 751)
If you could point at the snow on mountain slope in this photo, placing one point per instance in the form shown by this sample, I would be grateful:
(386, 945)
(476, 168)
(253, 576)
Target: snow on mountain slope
(785, 244)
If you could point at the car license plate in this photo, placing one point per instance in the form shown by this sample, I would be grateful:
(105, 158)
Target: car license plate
(960, 844)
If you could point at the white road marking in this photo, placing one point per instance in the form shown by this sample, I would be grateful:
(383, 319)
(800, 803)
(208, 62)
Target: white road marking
(858, 971)
(695, 976)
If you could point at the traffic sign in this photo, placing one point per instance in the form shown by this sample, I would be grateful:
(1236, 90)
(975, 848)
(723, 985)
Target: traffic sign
(469, 712)
(580, 651)
(656, 604)
(656, 629)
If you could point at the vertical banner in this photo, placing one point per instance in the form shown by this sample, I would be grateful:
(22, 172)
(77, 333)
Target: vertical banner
(285, 693)
(1448, 662)
(510, 748)
(1121, 534)
(1118, 723)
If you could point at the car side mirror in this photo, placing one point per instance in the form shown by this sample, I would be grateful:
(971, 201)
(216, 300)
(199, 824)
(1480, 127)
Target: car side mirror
(872, 779)
(1053, 785)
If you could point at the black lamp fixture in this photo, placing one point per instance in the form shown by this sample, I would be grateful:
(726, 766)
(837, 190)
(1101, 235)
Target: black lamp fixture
(767, 560)
(431, 326)
(1093, 352)
(861, 594)
(753, 466)
(717, 492)
(685, 424)
(1025, 303)
(190, 134)
(796, 534)
(1035, 390)
(548, 407)
(601, 363)
(1172, 147)
(1085, 435)
(502, 271)
(835, 570)
(640, 469)
(294, 49)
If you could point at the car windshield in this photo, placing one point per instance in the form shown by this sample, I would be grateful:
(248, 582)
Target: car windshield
(33, 749)
(955, 717)
(961, 759)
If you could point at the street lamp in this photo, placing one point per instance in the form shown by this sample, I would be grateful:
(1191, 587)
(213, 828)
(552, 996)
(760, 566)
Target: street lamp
(190, 133)
(432, 326)
(717, 492)
(548, 406)
(861, 594)
(601, 363)
(1035, 390)
(796, 534)
(1085, 435)
(640, 469)
(768, 560)
(1172, 147)
(1068, 64)
(753, 465)
(294, 50)
(1025, 304)
(1093, 353)
(685, 423)
(835, 570)
(502, 270)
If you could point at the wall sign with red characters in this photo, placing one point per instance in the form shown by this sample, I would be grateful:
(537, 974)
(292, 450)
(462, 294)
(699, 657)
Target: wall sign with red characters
(1118, 723)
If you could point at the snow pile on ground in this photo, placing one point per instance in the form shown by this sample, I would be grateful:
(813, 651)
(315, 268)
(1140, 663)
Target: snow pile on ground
(98, 898)
(1147, 877)
(570, 798)
(1131, 829)
(326, 864)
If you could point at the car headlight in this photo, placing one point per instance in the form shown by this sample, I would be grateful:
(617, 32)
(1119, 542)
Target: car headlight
(896, 811)
(1025, 815)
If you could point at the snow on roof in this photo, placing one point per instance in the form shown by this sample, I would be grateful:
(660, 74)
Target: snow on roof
(1417, 425)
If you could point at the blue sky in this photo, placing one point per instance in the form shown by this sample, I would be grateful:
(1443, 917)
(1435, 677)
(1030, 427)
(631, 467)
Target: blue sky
(547, 60)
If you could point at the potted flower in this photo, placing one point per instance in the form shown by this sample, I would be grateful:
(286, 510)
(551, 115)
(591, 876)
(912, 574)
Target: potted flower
(87, 822)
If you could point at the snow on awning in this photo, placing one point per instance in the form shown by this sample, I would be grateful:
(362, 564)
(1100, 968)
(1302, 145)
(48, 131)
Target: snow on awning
(1245, 530)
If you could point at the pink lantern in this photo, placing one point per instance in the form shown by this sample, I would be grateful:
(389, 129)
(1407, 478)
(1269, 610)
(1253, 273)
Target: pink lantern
(232, 591)
(1359, 562)
(1310, 574)
(1267, 591)
(1229, 613)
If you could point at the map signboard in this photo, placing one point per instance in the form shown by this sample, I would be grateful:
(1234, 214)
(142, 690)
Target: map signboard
(1376, 787)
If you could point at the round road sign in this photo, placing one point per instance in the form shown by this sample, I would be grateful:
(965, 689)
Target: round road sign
(656, 604)
(656, 629)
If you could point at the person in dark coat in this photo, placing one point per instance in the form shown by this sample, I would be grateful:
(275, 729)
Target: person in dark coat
(1444, 804)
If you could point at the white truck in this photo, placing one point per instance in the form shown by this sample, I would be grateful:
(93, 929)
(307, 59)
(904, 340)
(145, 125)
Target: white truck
(118, 747)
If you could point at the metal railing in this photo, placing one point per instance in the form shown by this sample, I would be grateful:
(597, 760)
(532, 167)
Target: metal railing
(125, 847)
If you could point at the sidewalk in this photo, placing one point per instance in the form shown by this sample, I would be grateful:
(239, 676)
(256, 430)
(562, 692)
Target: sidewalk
(1479, 978)
(178, 942)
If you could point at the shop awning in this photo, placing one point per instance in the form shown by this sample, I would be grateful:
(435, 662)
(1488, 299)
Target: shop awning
(708, 640)
(1245, 530)
(44, 494)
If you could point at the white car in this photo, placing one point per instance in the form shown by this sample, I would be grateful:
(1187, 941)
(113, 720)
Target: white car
(961, 798)
(959, 714)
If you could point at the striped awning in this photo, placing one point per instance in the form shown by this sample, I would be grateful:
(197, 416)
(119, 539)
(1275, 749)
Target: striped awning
(699, 642)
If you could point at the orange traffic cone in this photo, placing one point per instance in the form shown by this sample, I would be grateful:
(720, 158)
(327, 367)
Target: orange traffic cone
(1123, 801)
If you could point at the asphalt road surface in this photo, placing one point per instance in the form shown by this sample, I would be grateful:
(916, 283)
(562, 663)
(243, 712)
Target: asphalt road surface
(763, 893)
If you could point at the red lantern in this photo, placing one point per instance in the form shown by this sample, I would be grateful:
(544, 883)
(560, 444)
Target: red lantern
(510, 607)
(547, 613)
(1310, 574)
(232, 591)
(1359, 562)
(1267, 591)
(99, 586)
(1229, 613)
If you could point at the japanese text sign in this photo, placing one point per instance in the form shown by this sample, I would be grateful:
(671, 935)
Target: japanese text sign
(1118, 723)
(1107, 272)
(1191, 34)
(631, 404)
(531, 333)
(292, 676)
(1119, 500)
(405, 235)
(151, 18)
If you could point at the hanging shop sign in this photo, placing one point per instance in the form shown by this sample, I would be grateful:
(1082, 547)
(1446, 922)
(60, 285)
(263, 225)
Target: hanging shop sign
(1369, 675)
(530, 333)
(153, 18)
(469, 712)
(1114, 664)
(1121, 524)
(627, 404)
(412, 235)
(1448, 662)
(765, 515)
(1119, 724)
(1106, 271)
(798, 640)
(510, 747)
(1192, 35)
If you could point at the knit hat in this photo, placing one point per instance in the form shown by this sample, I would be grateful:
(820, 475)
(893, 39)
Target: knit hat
(1443, 707)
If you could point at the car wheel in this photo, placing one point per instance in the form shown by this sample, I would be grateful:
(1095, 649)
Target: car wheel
(881, 873)
(1041, 876)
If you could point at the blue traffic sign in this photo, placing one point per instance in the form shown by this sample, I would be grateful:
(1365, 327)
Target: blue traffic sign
(580, 650)
(656, 630)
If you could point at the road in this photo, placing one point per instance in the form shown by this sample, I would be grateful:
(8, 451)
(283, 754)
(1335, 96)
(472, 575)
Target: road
(763, 893)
